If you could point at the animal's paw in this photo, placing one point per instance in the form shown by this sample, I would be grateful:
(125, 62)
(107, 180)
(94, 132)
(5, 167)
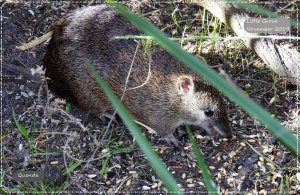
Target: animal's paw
(171, 140)
(104, 116)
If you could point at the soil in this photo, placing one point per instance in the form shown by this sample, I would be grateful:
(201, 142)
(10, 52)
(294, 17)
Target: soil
(252, 161)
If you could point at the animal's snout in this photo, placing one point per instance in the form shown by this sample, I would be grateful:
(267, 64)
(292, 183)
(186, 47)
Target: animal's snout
(224, 130)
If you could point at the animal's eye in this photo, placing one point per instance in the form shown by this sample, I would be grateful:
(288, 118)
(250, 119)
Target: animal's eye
(208, 112)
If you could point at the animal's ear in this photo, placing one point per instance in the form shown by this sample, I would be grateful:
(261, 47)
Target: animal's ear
(185, 85)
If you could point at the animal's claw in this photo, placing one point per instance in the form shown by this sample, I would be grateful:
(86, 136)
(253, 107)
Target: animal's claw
(171, 140)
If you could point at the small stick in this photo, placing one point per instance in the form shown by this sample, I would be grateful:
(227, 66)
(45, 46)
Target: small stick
(35, 42)
(22, 71)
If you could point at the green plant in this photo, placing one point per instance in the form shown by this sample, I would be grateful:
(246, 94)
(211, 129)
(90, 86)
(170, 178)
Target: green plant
(203, 32)
(214, 33)
(147, 47)
(72, 166)
(211, 187)
(174, 18)
(68, 107)
(25, 134)
(114, 146)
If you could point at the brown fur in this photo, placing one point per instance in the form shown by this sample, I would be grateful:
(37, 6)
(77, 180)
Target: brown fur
(157, 104)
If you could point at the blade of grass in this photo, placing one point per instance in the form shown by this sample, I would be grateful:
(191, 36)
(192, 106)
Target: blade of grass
(281, 185)
(25, 134)
(202, 69)
(210, 184)
(143, 143)
(72, 167)
(68, 107)
(104, 168)
(21, 128)
(2, 191)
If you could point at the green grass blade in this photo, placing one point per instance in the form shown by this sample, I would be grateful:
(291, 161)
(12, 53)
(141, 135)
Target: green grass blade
(201, 68)
(72, 167)
(2, 191)
(210, 184)
(281, 186)
(144, 144)
(21, 128)
(68, 107)
(104, 168)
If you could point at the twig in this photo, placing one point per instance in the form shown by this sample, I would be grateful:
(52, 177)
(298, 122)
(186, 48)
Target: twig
(151, 12)
(35, 42)
(71, 138)
(262, 155)
(152, 131)
(293, 2)
(123, 181)
(75, 120)
(183, 33)
(50, 133)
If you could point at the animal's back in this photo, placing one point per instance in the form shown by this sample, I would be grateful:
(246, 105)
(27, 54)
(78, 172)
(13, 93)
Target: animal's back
(87, 35)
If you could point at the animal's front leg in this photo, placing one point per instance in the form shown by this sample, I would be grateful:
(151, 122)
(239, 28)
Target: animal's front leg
(171, 140)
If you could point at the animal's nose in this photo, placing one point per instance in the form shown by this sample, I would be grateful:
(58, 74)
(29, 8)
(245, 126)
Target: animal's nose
(227, 133)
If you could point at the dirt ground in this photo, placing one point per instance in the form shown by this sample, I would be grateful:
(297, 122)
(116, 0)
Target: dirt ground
(252, 161)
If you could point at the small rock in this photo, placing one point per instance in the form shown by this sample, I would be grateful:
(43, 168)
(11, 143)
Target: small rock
(146, 188)
(132, 172)
(190, 180)
(263, 191)
(105, 150)
(212, 167)
(30, 93)
(128, 183)
(201, 183)
(247, 85)
(235, 174)
(92, 175)
(159, 184)
(154, 185)
(24, 94)
(31, 12)
(54, 162)
(298, 176)
(20, 147)
(153, 178)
